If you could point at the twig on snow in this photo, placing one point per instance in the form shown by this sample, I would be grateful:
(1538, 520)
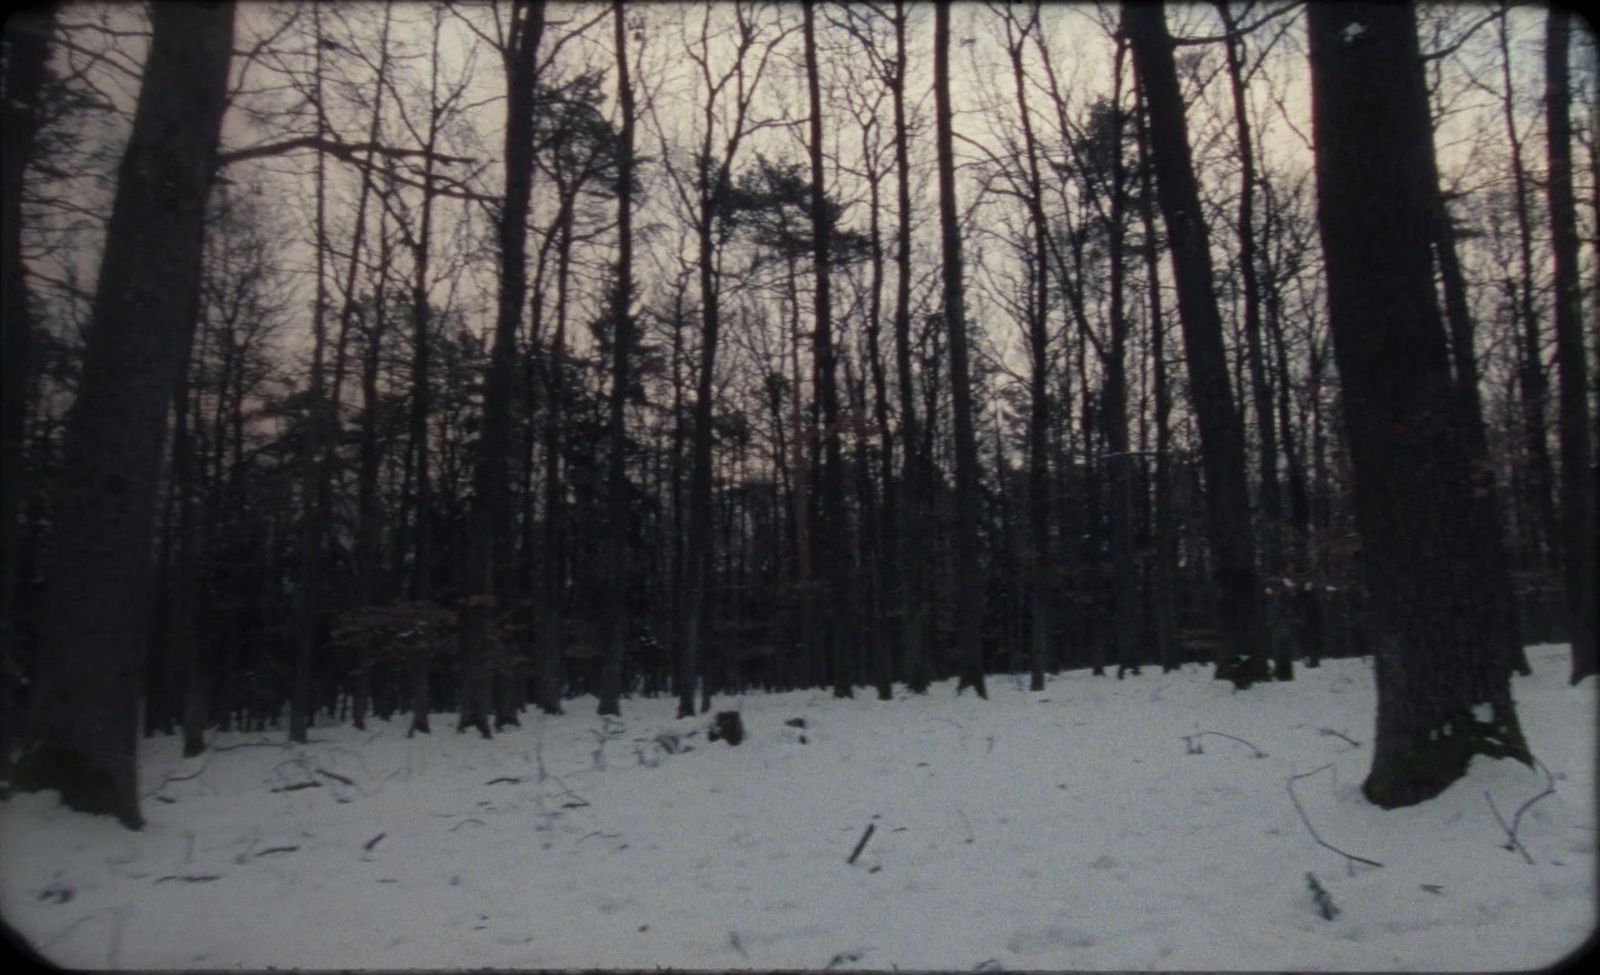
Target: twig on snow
(297, 786)
(1324, 900)
(1512, 842)
(251, 744)
(275, 849)
(335, 776)
(1193, 743)
(861, 844)
(604, 836)
(1340, 735)
(1350, 858)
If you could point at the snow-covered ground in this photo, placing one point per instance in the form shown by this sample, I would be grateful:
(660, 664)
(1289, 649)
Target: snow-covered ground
(1080, 827)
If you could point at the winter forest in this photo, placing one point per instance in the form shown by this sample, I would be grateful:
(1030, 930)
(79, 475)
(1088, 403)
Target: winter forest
(941, 450)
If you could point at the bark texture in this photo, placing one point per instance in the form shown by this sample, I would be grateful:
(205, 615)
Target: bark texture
(85, 704)
(1443, 676)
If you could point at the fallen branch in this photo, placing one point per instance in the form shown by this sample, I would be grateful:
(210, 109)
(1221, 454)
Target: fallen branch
(1340, 735)
(369, 844)
(861, 844)
(276, 849)
(1193, 743)
(608, 836)
(336, 777)
(297, 786)
(251, 744)
(190, 878)
(507, 779)
(1512, 842)
(1350, 858)
(1324, 900)
(469, 819)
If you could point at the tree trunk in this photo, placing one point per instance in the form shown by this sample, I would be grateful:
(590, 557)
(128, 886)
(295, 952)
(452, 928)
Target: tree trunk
(552, 623)
(1164, 582)
(308, 589)
(1577, 462)
(490, 523)
(1036, 545)
(27, 42)
(882, 565)
(85, 720)
(421, 584)
(911, 481)
(617, 473)
(1250, 285)
(1534, 382)
(1221, 432)
(833, 537)
(1443, 682)
(1114, 407)
(969, 574)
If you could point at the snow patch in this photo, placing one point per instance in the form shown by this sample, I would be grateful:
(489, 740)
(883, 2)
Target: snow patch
(1086, 837)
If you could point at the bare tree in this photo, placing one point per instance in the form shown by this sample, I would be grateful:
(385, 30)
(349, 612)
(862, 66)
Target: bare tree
(85, 701)
(617, 562)
(1577, 459)
(1221, 431)
(491, 514)
(1443, 682)
(969, 584)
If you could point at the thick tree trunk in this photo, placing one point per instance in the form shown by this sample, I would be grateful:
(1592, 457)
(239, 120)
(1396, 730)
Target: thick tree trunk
(1221, 431)
(1164, 581)
(85, 704)
(1577, 460)
(27, 52)
(969, 575)
(1443, 682)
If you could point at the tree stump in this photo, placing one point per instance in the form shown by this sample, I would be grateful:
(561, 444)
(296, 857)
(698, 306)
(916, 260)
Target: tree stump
(727, 727)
